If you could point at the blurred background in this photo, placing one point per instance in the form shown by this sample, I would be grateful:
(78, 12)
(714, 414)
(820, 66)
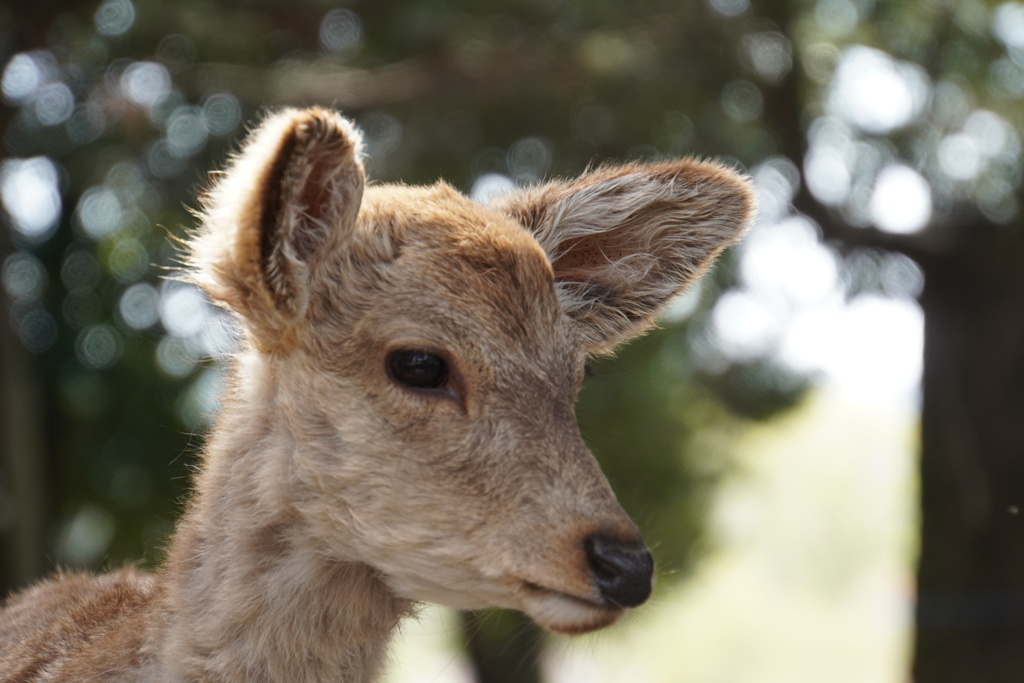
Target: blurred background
(824, 442)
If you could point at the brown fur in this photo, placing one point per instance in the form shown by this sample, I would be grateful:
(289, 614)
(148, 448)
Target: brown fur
(332, 498)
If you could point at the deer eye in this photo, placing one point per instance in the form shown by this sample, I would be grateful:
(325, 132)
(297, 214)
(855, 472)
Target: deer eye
(417, 369)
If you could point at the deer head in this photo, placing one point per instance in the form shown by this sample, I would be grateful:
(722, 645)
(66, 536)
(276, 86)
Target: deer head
(424, 352)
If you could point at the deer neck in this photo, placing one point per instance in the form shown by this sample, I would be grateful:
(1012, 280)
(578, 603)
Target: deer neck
(250, 595)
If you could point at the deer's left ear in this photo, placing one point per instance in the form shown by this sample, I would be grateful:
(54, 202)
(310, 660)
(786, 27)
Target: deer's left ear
(623, 240)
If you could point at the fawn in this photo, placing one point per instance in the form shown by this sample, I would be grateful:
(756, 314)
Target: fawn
(399, 424)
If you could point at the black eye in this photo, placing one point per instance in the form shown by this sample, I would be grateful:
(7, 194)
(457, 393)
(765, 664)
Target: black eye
(417, 369)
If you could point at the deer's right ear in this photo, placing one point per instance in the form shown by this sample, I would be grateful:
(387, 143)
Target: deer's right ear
(284, 202)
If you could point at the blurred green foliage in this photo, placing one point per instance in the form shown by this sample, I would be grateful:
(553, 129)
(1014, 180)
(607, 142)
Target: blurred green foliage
(114, 111)
(130, 104)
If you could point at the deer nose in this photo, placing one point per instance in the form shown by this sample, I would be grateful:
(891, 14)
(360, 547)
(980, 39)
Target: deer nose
(622, 571)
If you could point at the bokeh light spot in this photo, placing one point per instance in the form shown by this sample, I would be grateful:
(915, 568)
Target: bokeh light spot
(828, 176)
(186, 131)
(684, 305)
(993, 135)
(902, 200)
(745, 324)
(341, 32)
(99, 212)
(777, 180)
(85, 538)
(383, 133)
(114, 17)
(729, 8)
(959, 157)
(30, 194)
(146, 83)
(53, 104)
(98, 347)
(490, 185)
(128, 260)
(1006, 78)
(22, 78)
(1008, 24)
(86, 123)
(874, 92)
(996, 199)
(139, 306)
(37, 330)
(183, 311)
(176, 356)
(742, 101)
(836, 17)
(769, 53)
(199, 403)
(222, 113)
(786, 260)
(529, 159)
(900, 276)
(24, 276)
(162, 162)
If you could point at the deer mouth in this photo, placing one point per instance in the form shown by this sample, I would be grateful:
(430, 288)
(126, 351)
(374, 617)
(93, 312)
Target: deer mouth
(564, 612)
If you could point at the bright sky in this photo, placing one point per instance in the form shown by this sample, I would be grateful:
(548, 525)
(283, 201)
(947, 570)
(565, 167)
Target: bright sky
(791, 304)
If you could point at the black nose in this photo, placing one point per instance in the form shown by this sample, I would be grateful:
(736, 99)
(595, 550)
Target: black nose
(622, 571)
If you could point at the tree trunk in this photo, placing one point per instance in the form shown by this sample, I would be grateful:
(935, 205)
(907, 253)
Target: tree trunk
(23, 488)
(970, 611)
(503, 646)
(24, 453)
